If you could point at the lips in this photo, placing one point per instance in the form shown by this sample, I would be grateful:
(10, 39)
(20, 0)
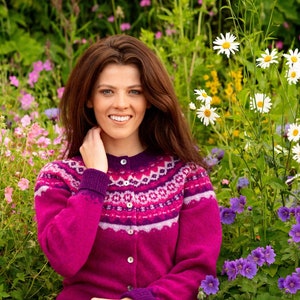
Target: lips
(120, 118)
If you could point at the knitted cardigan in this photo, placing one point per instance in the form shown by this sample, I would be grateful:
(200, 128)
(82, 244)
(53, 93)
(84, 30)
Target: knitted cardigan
(147, 229)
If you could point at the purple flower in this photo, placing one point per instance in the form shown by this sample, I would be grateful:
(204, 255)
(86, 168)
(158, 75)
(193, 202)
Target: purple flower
(158, 35)
(281, 283)
(14, 81)
(239, 263)
(291, 284)
(52, 113)
(211, 161)
(227, 215)
(295, 233)
(282, 131)
(210, 285)
(283, 213)
(238, 204)
(218, 153)
(297, 212)
(111, 19)
(242, 182)
(249, 269)
(229, 268)
(269, 255)
(257, 256)
(38, 66)
(125, 26)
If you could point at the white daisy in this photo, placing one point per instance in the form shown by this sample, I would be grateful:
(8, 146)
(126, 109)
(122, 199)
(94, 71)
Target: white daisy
(293, 57)
(226, 44)
(192, 106)
(267, 59)
(293, 133)
(202, 96)
(261, 103)
(207, 114)
(296, 152)
(293, 74)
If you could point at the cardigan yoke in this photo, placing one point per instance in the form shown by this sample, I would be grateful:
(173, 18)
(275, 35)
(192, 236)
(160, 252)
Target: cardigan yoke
(147, 229)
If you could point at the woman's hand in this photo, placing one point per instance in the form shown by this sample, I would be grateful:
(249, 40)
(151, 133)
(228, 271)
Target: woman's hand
(93, 152)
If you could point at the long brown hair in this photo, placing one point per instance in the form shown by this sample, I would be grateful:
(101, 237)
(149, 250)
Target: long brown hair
(164, 128)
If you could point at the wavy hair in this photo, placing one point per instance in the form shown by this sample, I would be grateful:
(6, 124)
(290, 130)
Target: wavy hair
(163, 129)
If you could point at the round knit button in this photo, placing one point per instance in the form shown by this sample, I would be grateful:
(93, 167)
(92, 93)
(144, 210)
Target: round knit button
(129, 205)
(126, 183)
(123, 161)
(130, 259)
(130, 231)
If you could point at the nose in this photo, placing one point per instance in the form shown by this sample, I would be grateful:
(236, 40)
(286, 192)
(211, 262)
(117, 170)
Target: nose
(121, 100)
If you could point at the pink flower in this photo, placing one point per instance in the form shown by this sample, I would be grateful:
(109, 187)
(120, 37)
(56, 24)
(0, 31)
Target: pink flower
(60, 92)
(26, 101)
(38, 66)
(8, 194)
(111, 19)
(33, 77)
(14, 81)
(47, 65)
(124, 26)
(144, 3)
(23, 184)
(158, 34)
(25, 121)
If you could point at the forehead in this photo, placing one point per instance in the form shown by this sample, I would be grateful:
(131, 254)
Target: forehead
(120, 74)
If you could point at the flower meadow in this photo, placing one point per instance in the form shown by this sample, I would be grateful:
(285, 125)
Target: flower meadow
(236, 71)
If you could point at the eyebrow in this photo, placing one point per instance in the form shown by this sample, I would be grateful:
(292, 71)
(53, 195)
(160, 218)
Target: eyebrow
(111, 86)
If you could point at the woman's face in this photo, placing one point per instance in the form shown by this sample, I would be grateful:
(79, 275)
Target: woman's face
(119, 103)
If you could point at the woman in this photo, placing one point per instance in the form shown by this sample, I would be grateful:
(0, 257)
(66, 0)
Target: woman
(130, 213)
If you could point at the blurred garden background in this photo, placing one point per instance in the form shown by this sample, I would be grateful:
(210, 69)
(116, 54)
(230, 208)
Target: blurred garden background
(235, 65)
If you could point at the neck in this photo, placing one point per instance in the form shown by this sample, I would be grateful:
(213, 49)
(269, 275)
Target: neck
(123, 147)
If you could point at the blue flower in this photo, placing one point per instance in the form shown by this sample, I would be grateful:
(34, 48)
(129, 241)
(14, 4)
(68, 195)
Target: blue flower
(249, 269)
(210, 285)
(257, 256)
(242, 182)
(238, 204)
(292, 284)
(230, 269)
(295, 233)
(227, 215)
(269, 255)
(52, 113)
(283, 213)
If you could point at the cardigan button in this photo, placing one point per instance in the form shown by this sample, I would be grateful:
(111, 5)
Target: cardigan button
(123, 161)
(130, 259)
(130, 231)
(129, 287)
(129, 205)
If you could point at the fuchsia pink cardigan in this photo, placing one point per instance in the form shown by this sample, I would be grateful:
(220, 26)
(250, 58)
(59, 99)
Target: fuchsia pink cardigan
(148, 229)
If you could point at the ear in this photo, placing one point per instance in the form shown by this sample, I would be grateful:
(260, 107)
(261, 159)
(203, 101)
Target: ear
(89, 104)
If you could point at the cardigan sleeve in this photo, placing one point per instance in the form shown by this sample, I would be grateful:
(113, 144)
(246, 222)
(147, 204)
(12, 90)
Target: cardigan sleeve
(198, 244)
(67, 220)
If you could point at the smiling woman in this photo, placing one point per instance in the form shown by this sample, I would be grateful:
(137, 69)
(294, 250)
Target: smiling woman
(130, 213)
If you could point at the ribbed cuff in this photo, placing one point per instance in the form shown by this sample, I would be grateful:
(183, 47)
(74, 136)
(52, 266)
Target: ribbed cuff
(94, 180)
(139, 294)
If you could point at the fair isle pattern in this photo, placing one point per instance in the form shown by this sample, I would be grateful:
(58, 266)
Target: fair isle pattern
(140, 197)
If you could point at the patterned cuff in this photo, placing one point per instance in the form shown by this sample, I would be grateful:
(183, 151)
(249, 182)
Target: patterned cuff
(139, 294)
(94, 180)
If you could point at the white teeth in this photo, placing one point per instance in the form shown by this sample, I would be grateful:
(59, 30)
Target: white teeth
(120, 118)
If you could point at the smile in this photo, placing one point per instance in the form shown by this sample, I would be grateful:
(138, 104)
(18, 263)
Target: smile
(119, 118)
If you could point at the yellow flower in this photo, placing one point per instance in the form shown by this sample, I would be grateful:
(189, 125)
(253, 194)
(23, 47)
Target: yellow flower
(236, 133)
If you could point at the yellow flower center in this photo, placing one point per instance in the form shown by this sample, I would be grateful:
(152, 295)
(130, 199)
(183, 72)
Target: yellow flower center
(294, 59)
(293, 74)
(268, 58)
(260, 104)
(204, 95)
(226, 45)
(207, 113)
(295, 132)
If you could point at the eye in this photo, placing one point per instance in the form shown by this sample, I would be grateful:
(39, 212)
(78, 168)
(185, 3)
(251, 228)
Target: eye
(135, 92)
(106, 92)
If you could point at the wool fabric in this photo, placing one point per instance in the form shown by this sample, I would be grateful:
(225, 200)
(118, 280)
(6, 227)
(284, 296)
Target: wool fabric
(147, 229)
